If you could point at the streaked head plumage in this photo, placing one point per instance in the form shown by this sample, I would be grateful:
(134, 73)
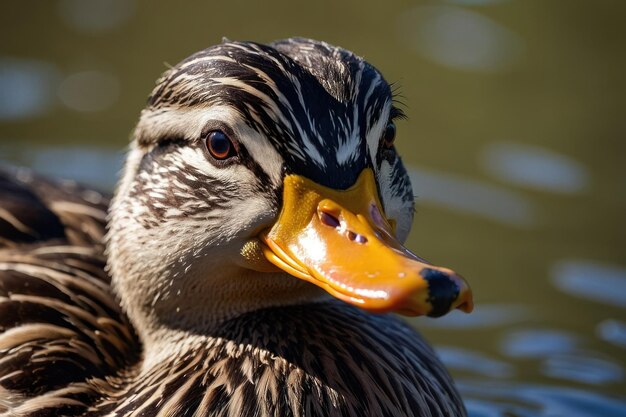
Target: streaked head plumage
(317, 104)
(294, 106)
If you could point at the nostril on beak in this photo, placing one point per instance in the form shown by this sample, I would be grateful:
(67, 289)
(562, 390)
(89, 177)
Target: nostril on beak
(360, 239)
(356, 237)
(329, 220)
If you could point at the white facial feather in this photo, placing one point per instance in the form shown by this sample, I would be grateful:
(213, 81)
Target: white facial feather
(393, 197)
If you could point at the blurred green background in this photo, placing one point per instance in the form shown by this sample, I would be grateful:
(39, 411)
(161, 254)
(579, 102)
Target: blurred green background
(515, 142)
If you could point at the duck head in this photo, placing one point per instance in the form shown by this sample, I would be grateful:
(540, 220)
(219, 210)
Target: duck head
(267, 175)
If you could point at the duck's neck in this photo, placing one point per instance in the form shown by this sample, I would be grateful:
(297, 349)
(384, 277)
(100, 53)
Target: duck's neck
(191, 308)
(310, 359)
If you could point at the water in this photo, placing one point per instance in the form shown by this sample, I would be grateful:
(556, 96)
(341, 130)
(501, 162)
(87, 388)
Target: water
(514, 145)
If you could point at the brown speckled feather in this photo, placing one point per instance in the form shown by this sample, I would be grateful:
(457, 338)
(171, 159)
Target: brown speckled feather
(324, 359)
(59, 323)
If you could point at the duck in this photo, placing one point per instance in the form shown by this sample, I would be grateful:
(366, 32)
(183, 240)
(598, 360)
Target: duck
(250, 262)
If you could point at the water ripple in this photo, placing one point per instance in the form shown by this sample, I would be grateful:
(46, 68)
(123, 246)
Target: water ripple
(538, 343)
(460, 359)
(27, 87)
(535, 167)
(97, 166)
(583, 367)
(500, 399)
(89, 91)
(472, 196)
(591, 280)
(475, 2)
(459, 38)
(96, 16)
(612, 331)
(483, 316)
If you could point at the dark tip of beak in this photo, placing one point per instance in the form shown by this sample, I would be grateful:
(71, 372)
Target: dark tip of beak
(443, 290)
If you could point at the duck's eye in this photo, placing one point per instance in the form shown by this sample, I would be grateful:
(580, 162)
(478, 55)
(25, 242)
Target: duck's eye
(219, 145)
(389, 135)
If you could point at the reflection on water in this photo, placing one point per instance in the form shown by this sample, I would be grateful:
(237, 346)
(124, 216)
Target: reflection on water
(499, 399)
(474, 2)
(28, 87)
(534, 167)
(89, 91)
(539, 234)
(583, 367)
(459, 38)
(97, 166)
(96, 16)
(613, 331)
(464, 360)
(562, 356)
(484, 315)
(471, 196)
(538, 343)
(489, 384)
(591, 280)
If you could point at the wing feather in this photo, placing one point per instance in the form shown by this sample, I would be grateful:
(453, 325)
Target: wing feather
(61, 328)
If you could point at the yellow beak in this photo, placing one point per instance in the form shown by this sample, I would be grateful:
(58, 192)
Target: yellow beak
(342, 242)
